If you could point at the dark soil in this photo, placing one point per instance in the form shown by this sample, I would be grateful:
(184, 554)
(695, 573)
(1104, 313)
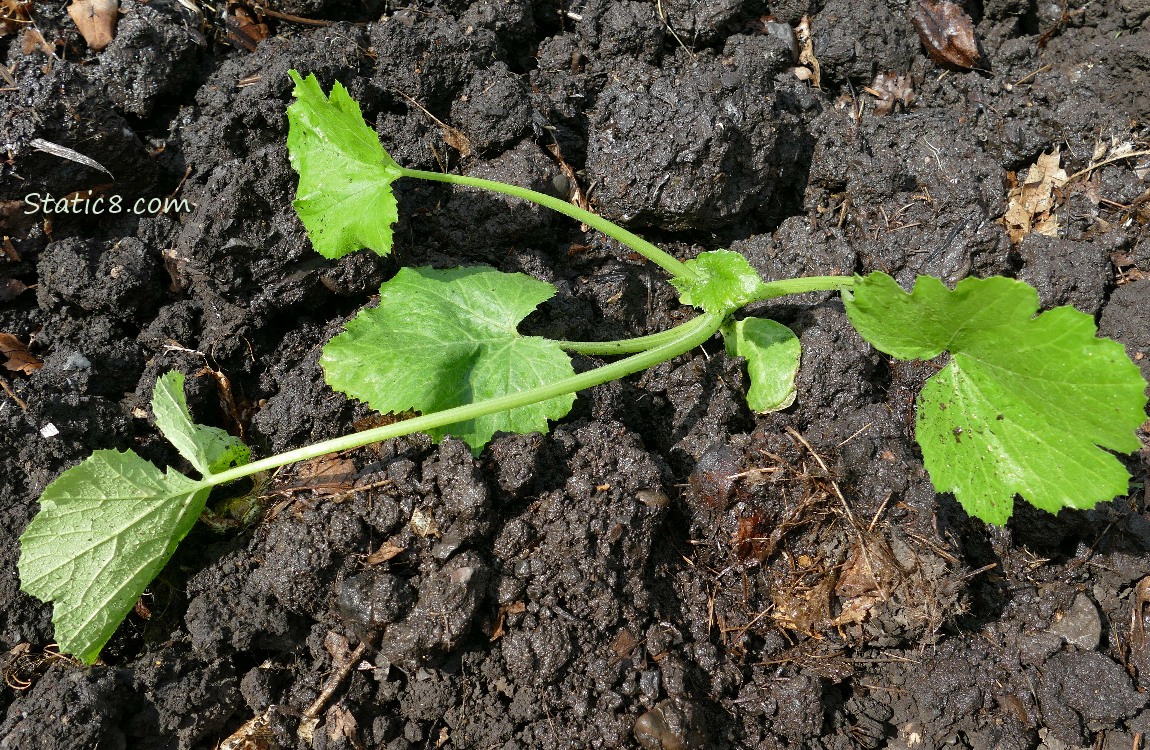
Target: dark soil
(664, 569)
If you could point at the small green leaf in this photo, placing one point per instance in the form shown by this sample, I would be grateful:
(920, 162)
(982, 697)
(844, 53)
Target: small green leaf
(724, 281)
(344, 197)
(209, 449)
(440, 339)
(1026, 405)
(105, 529)
(772, 352)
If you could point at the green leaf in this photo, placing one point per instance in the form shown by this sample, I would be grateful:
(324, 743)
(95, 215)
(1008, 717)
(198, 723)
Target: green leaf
(209, 449)
(344, 197)
(724, 281)
(1027, 405)
(105, 529)
(440, 339)
(772, 352)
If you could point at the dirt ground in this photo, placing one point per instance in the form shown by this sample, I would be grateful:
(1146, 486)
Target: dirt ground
(665, 569)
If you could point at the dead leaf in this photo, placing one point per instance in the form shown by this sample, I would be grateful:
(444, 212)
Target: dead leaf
(17, 358)
(857, 578)
(575, 190)
(1032, 204)
(751, 540)
(456, 139)
(325, 475)
(237, 411)
(859, 588)
(451, 136)
(1139, 653)
(386, 551)
(514, 608)
(254, 734)
(807, 51)
(623, 644)
(855, 610)
(1090, 188)
(245, 29)
(804, 610)
(892, 90)
(14, 221)
(14, 15)
(498, 632)
(7, 248)
(32, 40)
(947, 34)
(10, 289)
(1128, 271)
(341, 724)
(96, 20)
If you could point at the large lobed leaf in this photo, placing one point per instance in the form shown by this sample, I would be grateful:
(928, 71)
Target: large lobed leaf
(440, 339)
(344, 197)
(105, 529)
(1028, 405)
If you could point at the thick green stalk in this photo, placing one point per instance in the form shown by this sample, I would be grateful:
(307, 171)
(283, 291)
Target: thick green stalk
(625, 346)
(661, 258)
(691, 334)
(785, 287)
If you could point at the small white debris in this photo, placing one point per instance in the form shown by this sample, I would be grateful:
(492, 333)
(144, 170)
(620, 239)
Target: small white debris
(423, 523)
(49, 431)
(66, 153)
(77, 361)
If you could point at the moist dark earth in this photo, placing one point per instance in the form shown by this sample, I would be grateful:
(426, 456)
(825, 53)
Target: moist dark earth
(664, 569)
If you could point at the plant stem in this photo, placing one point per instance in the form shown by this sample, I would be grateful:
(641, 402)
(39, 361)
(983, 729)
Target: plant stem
(626, 346)
(765, 291)
(690, 335)
(661, 258)
(785, 287)
(646, 351)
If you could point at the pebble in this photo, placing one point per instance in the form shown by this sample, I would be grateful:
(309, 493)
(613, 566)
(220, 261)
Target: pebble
(672, 724)
(1050, 742)
(652, 498)
(1080, 624)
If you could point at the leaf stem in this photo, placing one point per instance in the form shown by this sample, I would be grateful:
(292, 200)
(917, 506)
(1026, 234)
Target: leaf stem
(626, 346)
(786, 287)
(690, 334)
(659, 257)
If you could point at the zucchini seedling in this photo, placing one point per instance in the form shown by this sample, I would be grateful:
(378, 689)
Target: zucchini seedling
(1028, 404)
